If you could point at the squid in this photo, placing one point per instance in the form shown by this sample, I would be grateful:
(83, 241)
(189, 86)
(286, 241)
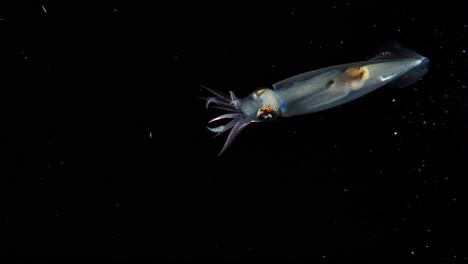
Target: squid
(317, 90)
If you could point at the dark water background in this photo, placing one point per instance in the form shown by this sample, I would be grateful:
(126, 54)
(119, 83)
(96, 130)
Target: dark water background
(85, 85)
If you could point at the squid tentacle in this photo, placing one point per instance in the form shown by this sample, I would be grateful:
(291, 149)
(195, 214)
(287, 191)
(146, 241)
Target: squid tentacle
(223, 128)
(230, 109)
(228, 115)
(221, 95)
(218, 101)
(229, 100)
(234, 132)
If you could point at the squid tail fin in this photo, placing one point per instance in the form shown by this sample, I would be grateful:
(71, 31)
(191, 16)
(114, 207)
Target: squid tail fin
(394, 50)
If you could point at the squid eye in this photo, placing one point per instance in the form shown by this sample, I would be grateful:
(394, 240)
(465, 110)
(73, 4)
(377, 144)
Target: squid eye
(267, 117)
(266, 113)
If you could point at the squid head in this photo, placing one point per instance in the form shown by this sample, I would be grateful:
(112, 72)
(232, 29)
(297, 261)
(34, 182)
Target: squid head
(262, 105)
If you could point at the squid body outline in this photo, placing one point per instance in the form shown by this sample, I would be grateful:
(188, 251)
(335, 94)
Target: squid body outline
(317, 90)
